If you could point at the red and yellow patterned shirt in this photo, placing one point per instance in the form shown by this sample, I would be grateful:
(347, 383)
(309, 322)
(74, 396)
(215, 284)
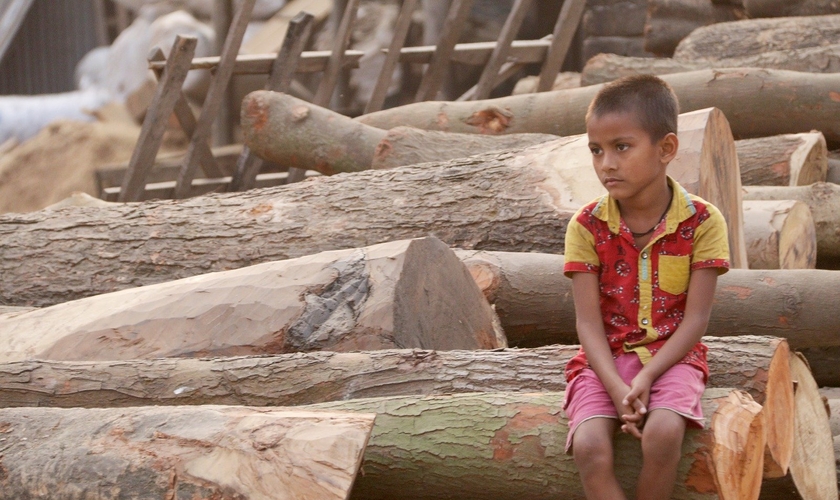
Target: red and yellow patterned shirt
(643, 291)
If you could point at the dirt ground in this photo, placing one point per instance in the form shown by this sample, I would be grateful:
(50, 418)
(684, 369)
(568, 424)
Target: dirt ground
(62, 159)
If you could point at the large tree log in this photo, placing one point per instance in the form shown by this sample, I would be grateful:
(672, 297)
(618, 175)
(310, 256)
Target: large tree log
(608, 67)
(534, 303)
(296, 133)
(514, 200)
(758, 365)
(780, 234)
(757, 102)
(779, 8)
(813, 473)
(413, 293)
(669, 21)
(754, 36)
(824, 201)
(510, 445)
(783, 160)
(180, 452)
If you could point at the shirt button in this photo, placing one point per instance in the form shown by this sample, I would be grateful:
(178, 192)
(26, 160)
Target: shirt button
(644, 255)
(644, 321)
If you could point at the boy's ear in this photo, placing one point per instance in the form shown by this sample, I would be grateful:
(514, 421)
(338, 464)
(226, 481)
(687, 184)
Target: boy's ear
(668, 147)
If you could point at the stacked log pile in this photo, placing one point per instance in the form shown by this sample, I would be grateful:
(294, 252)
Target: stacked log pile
(278, 341)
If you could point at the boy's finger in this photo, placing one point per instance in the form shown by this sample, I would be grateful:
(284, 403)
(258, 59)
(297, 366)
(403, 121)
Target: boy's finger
(639, 406)
(632, 430)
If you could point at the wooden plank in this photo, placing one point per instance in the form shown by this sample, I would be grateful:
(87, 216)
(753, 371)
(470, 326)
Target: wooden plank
(269, 38)
(564, 31)
(334, 65)
(154, 125)
(433, 77)
(392, 57)
(221, 18)
(489, 76)
(507, 70)
(215, 94)
(185, 117)
(280, 79)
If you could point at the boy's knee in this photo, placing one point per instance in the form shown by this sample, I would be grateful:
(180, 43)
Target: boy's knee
(663, 435)
(592, 451)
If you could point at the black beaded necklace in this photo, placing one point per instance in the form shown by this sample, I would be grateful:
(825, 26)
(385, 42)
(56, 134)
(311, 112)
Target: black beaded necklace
(639, 235)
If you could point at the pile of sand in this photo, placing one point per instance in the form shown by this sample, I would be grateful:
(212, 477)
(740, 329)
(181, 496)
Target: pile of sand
(62, 159)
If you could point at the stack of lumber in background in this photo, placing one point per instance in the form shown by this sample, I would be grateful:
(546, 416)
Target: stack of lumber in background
(408, 317)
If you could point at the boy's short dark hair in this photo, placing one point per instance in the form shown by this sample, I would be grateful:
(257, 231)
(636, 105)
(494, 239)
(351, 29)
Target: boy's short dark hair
(650, 98)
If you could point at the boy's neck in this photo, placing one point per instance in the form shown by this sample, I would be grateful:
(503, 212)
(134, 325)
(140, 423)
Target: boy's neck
(649, 206)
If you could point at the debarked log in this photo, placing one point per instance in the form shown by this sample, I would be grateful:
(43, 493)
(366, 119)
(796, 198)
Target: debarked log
(504, 446)
(608, 67)
(402, 294)
(823, 198)
(669, 21)
(758, 102)
(779, 234)
(783, 160)
(180, 452)
(513, 201)
(757, 365)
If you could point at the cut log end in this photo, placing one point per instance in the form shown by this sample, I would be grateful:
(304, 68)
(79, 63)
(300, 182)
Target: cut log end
(780, 235)
(740, 437)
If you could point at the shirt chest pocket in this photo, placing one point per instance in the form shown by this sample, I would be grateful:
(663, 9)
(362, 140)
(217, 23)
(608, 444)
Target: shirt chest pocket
(674, 271)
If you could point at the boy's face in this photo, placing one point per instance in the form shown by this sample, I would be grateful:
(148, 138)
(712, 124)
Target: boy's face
(628, 164)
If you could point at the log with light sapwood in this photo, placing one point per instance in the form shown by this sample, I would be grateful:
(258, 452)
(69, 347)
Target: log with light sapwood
(757, 102)
(608, 67)
(758, 365)
(511, 445)
(292, 132)
(823, 198)
(669, 21)
(402, 294)
(754, 36)
(514, 200)
(783, 160)
(812, 473)
(780, 234)
(181, 452)
(780, 8)
(534, 302)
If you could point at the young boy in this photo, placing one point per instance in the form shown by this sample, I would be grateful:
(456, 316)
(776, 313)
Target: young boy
(644, 261)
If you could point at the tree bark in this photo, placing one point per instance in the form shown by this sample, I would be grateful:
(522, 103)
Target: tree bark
(783, 160)
(180, 452)
(824, 201)
(813, 473)
(669, 21)
(758, 365)
(608, 67)
(293, 132)
(780, 234)
(510, 446)
(754, 36)
(413, 293)
(783, 8)
(533, 300)
(757, 103)
(515, 200)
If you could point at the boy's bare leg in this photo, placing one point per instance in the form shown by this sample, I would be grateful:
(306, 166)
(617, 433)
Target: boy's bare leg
(662, 440)
(592, 447)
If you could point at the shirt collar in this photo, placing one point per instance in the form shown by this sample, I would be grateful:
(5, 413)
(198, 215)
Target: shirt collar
(682, 207)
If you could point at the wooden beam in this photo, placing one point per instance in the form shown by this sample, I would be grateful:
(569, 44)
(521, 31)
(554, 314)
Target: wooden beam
(564, 31)
(334, 64)
(154, 125)
(215, 96)
(489, 76)
(435, 73)
(280, 79)
(392, 57)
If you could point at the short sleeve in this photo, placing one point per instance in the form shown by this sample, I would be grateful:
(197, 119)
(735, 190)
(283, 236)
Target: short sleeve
(711, 243)
(579, 254)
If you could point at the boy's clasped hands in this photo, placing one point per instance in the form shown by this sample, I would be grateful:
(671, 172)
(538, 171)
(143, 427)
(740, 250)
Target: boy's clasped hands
(633, 405)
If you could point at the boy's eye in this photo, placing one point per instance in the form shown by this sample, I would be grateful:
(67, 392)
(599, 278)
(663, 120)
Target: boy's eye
(595, 150)
(622, 147)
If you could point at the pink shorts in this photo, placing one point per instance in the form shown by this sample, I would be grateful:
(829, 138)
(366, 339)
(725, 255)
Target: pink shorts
(679, 389)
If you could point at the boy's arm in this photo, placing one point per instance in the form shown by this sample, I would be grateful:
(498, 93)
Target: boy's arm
(698, 308)
(593, 339)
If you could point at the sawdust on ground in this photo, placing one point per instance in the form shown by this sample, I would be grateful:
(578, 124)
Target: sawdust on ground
(60, 160)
